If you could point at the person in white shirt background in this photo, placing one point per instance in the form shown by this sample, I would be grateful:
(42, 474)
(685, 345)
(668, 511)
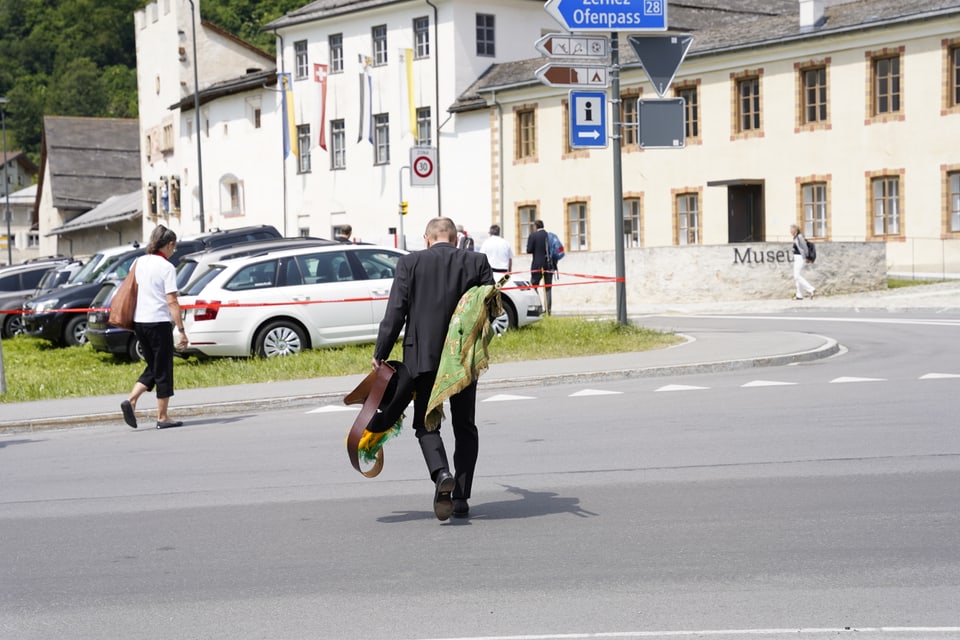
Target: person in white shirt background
(498, 251)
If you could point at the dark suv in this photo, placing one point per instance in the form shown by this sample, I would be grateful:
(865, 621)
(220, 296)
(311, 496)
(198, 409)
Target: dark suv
(17, 284)
(61, 315)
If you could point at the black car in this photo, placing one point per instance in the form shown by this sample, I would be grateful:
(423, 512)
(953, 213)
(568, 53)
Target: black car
(17, 284)
(102, 335)
(61, 316)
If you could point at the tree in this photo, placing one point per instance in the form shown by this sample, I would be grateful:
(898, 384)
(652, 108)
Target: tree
(77, 90)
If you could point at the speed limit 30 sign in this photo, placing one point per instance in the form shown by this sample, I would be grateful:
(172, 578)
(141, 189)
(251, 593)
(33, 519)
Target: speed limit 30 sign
(423, 167)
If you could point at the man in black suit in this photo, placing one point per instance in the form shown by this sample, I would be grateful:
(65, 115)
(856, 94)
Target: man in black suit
(540, 266)
(426, 289)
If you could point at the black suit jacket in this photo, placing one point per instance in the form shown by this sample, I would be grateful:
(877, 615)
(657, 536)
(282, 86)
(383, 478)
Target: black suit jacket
(537, 245)
(426, 288)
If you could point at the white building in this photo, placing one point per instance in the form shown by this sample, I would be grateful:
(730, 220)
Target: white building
(409, 61)
(235, 131)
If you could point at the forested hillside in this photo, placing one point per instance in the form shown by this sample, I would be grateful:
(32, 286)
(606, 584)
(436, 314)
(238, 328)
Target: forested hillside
(78, 57)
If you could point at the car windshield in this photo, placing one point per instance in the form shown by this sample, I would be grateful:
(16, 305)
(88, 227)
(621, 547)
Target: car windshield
(103, 297)
(49, 279)
(84, 273)
(201, 281)
(184, 272)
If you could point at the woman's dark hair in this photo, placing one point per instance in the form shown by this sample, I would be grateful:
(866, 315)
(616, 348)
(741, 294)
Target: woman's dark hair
(160, 237)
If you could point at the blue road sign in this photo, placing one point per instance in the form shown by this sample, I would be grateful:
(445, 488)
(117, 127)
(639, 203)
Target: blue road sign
(588, 119)
(597, 15)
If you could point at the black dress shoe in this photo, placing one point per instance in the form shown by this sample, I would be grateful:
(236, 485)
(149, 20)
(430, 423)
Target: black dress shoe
(442, 504)
(460, 508)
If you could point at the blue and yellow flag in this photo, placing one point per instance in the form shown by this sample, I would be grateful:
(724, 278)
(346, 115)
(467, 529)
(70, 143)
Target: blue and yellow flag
(289, 117)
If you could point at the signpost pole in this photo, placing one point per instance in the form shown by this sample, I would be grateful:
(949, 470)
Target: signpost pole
(621, 286)
(403, 239)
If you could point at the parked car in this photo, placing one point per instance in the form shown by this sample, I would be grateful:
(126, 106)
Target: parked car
(196, 263)
(102, 335)
(61, 316)
(18, 283)
(57, 277)
(286, 301)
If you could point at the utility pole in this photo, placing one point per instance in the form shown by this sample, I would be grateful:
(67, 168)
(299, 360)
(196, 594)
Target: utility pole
(196, 114)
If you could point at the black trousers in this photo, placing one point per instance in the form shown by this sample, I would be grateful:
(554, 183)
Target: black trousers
(463, 410)
(156, 341)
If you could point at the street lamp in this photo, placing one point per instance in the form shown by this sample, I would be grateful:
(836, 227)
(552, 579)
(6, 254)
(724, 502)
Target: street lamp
(6, 180)
(196, 112)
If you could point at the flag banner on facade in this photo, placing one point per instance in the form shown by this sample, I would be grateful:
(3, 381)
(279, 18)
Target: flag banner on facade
(320, 78)
(411, 101)
(366, 100)
(289, 119)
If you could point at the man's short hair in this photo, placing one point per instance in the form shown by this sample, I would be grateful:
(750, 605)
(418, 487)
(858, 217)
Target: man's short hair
(538, 224)
(345, 230)
(494, 229)
(441, 230)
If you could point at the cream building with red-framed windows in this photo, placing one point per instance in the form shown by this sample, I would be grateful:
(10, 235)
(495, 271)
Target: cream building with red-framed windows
(844, 124)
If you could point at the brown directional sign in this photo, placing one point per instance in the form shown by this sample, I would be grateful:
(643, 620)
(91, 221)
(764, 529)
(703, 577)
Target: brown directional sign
(573, 75)
(558, 45)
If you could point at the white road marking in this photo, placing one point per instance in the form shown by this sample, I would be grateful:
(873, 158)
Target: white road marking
(333, 408)
(919, 321)
(843, 380)
(720, 633)
(503, 397)
(767, 383)
(939, 376)
(680, 387)
(594, 392)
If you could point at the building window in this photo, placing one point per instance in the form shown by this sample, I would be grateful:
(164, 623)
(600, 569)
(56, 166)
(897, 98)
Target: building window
(526, 215)
(629, 125)
(335, 42)
(379, 36)
(631, 222)
(814, 200)
(577, 226)
(167, 137)
(688, 219)
(813, 96)
(303, 148)
(885, 196)
(886, 85)
(424, 127)
(256, 118)
(691, 106)
(485, 35)
(381, 138)
(231, 196)
(748, 104)
(338, 145)
(954, 83)
(953, 198)
(302, 59)
(421, 38)
(526, 134)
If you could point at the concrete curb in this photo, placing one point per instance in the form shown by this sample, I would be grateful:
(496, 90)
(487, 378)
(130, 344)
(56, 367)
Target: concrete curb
(829, 348)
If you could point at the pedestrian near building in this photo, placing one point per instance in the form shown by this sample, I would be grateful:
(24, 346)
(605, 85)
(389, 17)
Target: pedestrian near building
(464, 241)
(800, 253)
(157, 311)
(426, 289)
(498, 251)
(541, 266)
(344, 232)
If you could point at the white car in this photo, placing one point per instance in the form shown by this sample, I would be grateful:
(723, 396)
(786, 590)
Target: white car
(284, 301)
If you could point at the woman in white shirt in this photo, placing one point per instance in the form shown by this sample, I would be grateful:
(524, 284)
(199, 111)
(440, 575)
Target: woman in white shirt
(157, 305)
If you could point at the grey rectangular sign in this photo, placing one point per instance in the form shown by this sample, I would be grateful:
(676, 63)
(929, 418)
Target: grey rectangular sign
(661, 123)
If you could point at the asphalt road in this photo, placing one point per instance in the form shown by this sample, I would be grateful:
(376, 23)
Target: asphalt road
(766, 503)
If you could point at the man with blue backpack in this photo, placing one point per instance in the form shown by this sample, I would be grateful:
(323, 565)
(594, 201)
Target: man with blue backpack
(547, 251)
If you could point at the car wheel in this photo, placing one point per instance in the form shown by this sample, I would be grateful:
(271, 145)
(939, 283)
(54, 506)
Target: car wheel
(13, 326)
(75, 331)
(134, 350)
(280, 338)
(511, 312)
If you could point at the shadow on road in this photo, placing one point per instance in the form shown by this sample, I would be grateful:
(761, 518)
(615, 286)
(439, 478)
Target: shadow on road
(530, 504)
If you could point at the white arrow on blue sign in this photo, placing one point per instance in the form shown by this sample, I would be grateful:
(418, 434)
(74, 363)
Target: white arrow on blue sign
(627, 15)
(588, 119)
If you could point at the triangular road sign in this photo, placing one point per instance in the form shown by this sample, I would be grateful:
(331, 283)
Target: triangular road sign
(661, 56)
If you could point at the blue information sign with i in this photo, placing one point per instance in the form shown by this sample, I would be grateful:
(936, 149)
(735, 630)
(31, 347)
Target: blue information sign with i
(588, 119)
